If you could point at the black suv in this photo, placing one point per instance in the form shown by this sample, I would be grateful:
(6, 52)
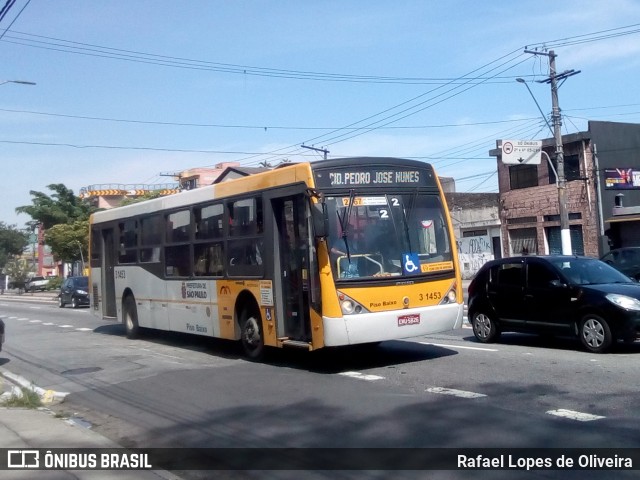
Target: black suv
(555, 294)
(74, 291)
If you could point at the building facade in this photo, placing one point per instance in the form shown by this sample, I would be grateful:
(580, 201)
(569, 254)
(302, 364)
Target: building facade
(598, 164)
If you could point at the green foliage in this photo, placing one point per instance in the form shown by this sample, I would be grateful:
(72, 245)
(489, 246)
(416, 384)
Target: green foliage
(12, 242)
(26, 399)
(55, 283)
(146, 196)
(68, 240)
(63, 206)
(18, 271)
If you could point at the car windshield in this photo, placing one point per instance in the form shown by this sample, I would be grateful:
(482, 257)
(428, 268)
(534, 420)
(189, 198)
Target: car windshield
(387, 235)
(81, 282)
(588, 271)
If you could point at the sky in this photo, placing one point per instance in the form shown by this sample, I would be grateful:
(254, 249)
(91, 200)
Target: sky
(131, 91)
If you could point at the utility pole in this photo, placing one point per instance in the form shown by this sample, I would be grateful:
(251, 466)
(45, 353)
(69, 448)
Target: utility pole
(556, 120)
(323, 150)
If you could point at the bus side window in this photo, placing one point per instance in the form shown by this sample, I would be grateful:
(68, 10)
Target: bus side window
(178, 261)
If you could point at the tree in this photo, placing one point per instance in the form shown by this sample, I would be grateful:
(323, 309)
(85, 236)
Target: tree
(145, 196)
(18, 271)
(69, 242)
(12, 242)
(63, 206)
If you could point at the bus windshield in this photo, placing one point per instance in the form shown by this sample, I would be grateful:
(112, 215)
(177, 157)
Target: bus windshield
(372, 236)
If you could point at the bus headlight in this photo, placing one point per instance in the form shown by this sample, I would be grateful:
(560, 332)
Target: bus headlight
(450, 297)
(349, 306)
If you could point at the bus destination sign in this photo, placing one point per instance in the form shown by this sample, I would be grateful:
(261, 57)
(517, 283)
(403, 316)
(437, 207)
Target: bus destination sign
(380, 176)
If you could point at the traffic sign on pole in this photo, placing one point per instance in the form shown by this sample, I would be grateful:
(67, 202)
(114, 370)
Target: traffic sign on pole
(521, 152)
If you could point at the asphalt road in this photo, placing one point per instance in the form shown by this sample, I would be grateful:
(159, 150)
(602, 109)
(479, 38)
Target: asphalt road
(444, 390)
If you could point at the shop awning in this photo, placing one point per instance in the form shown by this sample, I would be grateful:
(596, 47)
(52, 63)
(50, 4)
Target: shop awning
(623, 218)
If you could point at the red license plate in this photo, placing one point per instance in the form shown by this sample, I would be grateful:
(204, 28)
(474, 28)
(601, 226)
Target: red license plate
(413, 319)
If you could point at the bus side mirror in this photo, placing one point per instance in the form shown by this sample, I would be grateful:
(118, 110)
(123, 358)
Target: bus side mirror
(320, 219)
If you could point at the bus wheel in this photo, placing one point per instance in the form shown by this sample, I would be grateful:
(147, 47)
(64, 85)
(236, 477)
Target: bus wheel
(251, 335)
(130, 317)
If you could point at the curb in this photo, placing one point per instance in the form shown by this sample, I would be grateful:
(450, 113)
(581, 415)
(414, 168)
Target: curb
(47, 397)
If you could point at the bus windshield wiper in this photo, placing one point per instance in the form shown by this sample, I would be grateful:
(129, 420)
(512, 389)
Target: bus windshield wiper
(344, 222)
(406, 214)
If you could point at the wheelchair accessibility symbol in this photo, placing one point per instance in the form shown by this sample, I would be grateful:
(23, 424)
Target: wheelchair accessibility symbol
(410, 263)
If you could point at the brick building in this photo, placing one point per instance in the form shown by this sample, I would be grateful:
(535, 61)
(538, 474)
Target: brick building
(593, 160)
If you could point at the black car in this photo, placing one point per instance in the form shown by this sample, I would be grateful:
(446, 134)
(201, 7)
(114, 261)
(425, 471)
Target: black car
(1, 333)
(626, 259)
(74, 291)
(557, 295)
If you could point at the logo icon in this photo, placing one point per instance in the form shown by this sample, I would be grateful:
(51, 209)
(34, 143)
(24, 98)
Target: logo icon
(410, 263)
(23, 459)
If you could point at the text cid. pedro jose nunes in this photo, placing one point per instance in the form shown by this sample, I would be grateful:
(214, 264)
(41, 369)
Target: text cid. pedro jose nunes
(76, 460)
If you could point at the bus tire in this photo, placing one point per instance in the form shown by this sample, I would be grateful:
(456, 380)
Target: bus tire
(251, 334)
(130, 317)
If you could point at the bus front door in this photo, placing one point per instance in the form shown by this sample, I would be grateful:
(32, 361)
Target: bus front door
(293, 245)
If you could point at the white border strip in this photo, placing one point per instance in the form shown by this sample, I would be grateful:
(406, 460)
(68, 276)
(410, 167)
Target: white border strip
(454, 393)
(573, 415)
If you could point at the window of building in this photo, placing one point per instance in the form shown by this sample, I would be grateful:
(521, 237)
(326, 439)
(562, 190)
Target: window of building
(554, 239)
(523, 176)
(521, 220)
(474, 233)
(523, 241)
(571, 168)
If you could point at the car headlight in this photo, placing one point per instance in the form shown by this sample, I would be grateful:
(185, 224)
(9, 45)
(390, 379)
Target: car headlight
(628, 303)
(82, 292)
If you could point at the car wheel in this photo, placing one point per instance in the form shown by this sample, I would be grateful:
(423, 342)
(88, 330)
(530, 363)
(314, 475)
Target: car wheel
(74, 302)
(484, 328)
(130, 317)
(61, 303)
(595, 333)
(251, 334)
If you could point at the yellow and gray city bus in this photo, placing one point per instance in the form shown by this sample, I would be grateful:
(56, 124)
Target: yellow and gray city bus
(334, 252)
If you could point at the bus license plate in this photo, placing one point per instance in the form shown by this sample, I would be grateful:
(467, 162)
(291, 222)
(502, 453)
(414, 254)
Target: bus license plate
(413, 319)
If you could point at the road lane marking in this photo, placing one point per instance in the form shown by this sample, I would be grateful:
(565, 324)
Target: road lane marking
(84, 329)
(361, 376)
(454, 393)
(22, 319)
(65, 326)
(573, 415)
(460, 346)
(35, 321)
(48, 323)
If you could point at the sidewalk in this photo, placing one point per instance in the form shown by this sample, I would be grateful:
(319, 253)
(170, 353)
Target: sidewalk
(47, 296)
(23, 428)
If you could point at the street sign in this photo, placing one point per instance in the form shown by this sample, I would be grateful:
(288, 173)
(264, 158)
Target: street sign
(521, 152)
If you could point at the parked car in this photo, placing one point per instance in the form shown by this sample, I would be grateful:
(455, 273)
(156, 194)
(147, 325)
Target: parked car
(36, 283)
(74, 291)
(1, 333)
(627, 260)
(557, 295)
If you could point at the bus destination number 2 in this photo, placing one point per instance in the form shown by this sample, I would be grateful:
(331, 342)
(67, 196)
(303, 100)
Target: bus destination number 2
(119, 274)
